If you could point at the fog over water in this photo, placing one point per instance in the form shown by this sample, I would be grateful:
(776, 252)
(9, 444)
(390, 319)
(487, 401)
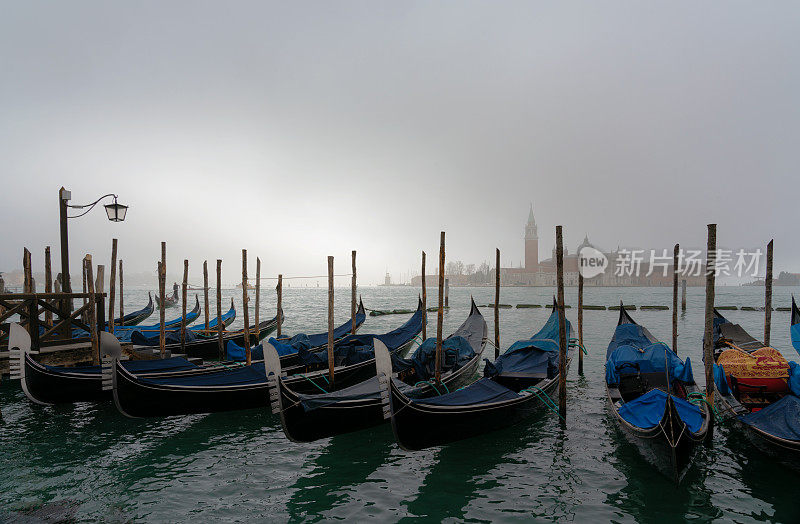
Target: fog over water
(306, 129)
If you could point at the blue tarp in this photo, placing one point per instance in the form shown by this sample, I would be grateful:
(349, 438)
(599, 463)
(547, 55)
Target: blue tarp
(650, 359)
(647, 411)
(212, 324)
(456, 352)
(539, 354)
(240, 376)
(795, 333)
(794, 377)
(171, 337)
(780, 419)
(124, 333)
(135, 366)
(483, 391)
(720, 381)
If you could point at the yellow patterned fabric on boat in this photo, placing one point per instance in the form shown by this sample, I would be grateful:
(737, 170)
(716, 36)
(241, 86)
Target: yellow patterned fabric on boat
(762, 363)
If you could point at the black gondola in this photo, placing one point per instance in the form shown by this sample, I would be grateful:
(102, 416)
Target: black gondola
(225, 388)
(653, 398)
(307, 414)
(137, 317)
(516, 386)
(764, 406)
(151, 337)
(123, 333)
(169, 301)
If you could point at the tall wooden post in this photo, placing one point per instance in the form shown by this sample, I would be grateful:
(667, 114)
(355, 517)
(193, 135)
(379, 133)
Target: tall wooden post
(87, 263)
(580, 323)
(497, 304)
(353, 296)
(84, 315)
(258, 298)
(768, 296)
(27, 286)
(708, 342)
(220, 324)
(48, 285)
(424, 302)
(112, 285)
(162, 290)
(440, 313)
(280, 305)
(446, 292)
(121, 295)
(205, 296)
(66, 283)
(330, 319)
(183, 307)
(683, 294)
(675, 253)
(245, 307)
(562, 327)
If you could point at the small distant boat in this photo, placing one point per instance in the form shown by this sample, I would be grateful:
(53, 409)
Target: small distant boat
(654, 399)
(514, 387)
(759, 389)
(169, 301)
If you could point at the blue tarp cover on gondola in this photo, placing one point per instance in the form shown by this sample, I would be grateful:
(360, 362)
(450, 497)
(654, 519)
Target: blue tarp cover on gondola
(243, 375)
(647, 411)
(526, 356)
(648, 359)
(456, 352)
(795, 333)
(780, 419)
(171, 337)
(720, 381)
(124, 333)
(212, 324)
(480, 392)
(135, 366)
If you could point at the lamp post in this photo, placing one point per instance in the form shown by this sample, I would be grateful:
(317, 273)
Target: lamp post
(116, 213)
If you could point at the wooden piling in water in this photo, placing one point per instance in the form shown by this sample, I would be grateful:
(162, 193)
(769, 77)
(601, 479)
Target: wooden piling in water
(184, 287)
(48, 285)
(683, 294)
(353, 296)
(440, 312)
(87, 264)
(280, 305)
(112, 285)
(256, 314)
(708, 342)
(675, 253)
(446, 292)
(205, 296)
(768, 296)
(245, 308)
(121, 295)
(562, 327)
(162, 286)
(424, 302)
(219, 311)
(27, 285)
(580, 323)
(497, 304)
(330, 319)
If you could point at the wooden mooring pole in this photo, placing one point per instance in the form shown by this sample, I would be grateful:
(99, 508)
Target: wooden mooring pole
(245, 308)
(424, 302)
(446, 292)
(279, 313)
(48, 285)
(497, 304)
(121, 295)
(330, 319)
(440, 312)
(675, 253)
(580, 324)
(219, 311)
(112, 285)
(27, 285)
(184, 287)
(768, 296)
(353, 296)
(87, 264)
(258, 299)
(683, 294)
(708, 342)
(562, 327)
(162, 286)
(205, 297)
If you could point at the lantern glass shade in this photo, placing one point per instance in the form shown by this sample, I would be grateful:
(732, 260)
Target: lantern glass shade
(116, 212)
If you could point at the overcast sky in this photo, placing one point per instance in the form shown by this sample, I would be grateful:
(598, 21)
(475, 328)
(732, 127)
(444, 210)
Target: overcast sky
(299, 130)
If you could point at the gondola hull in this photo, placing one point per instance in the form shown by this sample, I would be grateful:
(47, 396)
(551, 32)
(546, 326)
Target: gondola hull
(300, 425)
(45, 386)
(418, 426)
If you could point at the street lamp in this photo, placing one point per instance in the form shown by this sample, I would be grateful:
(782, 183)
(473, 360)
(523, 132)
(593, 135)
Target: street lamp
(116, 213)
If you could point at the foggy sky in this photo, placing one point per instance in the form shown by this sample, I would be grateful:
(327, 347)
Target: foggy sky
(299, 130)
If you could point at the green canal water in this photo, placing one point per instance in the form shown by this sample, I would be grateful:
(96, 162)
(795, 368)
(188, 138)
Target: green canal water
(87, 462)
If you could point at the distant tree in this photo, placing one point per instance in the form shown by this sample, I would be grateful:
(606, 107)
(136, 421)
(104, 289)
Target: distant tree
(454, 268)
(470, 269)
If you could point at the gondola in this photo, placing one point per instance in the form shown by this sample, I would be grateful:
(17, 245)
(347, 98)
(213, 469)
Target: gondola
(151, 337)
(44, 384)
(229, 387)
(518, 384)
(653, 398)
(308, 414)
(123, 333)
(758, 389)
(290, 346)
(137, 317)
(169, 301)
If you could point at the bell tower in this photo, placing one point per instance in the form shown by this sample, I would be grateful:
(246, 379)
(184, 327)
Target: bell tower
(531, 243)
